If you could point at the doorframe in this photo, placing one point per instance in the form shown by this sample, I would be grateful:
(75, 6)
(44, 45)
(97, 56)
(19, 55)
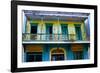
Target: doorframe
(65, 57)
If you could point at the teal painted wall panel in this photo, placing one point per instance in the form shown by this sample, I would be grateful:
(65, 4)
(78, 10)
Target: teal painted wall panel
(85, 52)
(69, 53)
(46, 52)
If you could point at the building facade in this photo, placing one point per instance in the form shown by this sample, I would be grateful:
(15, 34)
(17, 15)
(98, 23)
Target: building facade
(55, 36)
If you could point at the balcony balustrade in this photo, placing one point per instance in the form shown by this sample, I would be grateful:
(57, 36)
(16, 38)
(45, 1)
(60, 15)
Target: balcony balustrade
(48, 37)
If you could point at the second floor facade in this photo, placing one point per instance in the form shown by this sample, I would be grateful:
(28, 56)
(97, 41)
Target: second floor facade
(54, 28)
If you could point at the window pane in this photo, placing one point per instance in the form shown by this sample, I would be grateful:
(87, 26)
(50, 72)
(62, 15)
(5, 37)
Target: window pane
(78, 55)
(57, 57)
(34, 29)
(34, 56)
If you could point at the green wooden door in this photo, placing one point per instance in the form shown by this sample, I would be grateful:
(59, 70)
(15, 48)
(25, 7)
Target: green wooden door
(64, 29)
(78, 32)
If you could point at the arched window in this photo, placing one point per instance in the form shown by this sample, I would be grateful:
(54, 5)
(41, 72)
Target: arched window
(57, 54)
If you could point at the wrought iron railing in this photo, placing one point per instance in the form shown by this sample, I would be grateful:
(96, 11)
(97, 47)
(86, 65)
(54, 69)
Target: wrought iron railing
(49, 37)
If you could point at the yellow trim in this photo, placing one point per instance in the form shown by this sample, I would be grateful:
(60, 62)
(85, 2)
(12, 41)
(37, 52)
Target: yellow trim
(55, 22)
(61, 49)
(83, 31)
(28, 26)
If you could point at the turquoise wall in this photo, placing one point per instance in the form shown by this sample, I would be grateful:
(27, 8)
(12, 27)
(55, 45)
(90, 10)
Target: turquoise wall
(47, 48)
(69, 52)
(86, 52)
(46, 52)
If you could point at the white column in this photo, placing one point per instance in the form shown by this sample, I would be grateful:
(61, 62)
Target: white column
(23, 22)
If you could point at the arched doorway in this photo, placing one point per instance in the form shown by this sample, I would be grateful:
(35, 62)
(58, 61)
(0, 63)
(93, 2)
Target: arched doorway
(57, 54)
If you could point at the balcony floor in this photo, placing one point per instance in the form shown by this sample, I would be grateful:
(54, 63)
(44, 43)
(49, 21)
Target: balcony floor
(55, 42)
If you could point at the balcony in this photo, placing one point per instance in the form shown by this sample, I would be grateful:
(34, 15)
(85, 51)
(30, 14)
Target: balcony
(28, 38)
(48, 37)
